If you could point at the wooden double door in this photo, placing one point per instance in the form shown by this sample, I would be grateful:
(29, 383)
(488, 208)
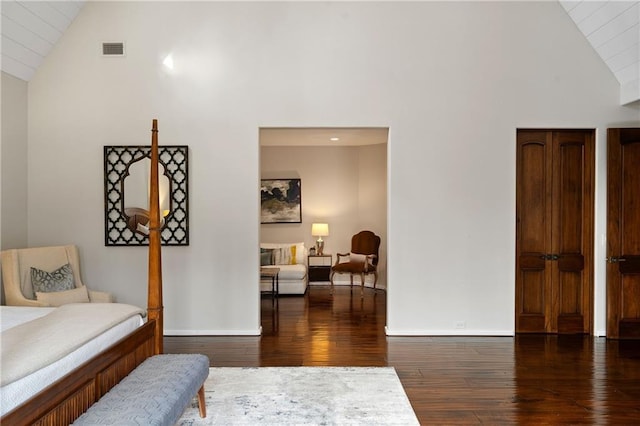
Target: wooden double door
(554, 231)
(623, 233)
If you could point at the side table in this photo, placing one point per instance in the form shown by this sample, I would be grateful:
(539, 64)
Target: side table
(271, 273)
(319, 267)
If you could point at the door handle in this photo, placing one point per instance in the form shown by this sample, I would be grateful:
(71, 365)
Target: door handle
(615, 259)
(550, 257)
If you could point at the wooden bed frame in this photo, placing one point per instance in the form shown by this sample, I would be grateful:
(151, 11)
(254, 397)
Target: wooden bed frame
(65, 400)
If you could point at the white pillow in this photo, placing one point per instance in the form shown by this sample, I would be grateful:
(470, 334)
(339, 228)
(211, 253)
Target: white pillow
(301, 253)
(361, 258)
(59, 298)
(357, 257)
(282, 256)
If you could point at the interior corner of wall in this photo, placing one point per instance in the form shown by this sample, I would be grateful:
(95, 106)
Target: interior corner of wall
(630, 92)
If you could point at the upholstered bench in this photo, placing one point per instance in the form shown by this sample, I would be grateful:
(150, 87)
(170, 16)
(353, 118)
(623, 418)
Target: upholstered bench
(155, 393)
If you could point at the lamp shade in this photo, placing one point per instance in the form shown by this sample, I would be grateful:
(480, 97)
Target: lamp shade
(320, 229)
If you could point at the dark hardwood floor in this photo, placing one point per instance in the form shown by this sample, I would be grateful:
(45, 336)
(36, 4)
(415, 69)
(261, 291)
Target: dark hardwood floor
(529, 379)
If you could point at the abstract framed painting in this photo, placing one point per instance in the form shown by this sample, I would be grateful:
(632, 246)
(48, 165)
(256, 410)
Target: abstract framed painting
(280, 201)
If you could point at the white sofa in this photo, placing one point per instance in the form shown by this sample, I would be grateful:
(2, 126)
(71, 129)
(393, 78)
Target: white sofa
(292, 277)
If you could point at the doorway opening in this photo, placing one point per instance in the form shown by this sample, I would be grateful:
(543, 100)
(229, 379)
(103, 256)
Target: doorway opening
(343, 178)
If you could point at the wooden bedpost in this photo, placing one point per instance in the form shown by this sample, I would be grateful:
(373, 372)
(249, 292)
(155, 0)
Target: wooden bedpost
(154, 300)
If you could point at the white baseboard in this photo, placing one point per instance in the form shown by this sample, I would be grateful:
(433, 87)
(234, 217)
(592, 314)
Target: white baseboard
(347, 284)
(465, 332)
(256, 332)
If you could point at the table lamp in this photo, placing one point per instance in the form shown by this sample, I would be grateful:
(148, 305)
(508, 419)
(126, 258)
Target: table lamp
(319, 230)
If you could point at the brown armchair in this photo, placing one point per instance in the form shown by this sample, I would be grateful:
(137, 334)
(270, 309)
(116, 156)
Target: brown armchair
(362, 260)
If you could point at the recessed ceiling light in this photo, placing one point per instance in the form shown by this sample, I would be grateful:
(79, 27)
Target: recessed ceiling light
(334, 139)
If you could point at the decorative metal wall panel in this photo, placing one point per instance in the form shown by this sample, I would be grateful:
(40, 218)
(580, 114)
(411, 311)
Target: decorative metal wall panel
(122, 229)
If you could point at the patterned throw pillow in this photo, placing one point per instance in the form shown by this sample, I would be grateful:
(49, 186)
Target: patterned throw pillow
(266, 257)
(285, 256)
(59, 280)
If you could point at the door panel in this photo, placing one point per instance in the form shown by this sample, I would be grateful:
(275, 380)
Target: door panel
(572, 230)
(535, 174)
(623, 233)
(532, 212)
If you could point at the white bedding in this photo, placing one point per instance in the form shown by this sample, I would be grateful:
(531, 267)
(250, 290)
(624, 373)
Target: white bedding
(21, 390)
(10, 316)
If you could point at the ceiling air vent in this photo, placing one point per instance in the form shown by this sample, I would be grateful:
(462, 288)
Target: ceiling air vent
(113, 49)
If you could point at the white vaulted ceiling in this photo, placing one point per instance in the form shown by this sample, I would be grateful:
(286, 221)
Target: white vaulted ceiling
(613, 29)
(30, 29)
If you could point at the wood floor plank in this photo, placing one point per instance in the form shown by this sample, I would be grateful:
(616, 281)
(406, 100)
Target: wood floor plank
(529, 379)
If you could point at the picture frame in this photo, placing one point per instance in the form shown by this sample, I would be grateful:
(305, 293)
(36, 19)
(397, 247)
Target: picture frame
(280, 201)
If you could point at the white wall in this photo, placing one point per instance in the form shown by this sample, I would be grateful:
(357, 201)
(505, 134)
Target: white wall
(13, 163)
(342, 186)
(372, 201)
(452, 81)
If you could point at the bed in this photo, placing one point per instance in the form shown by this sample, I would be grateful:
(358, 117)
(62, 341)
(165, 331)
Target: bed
(58, 389)
(29, 369)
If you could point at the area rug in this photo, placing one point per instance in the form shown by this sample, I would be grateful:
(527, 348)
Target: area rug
(303, 396)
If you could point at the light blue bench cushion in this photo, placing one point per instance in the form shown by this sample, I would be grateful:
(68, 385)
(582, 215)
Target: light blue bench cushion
(155, 393)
